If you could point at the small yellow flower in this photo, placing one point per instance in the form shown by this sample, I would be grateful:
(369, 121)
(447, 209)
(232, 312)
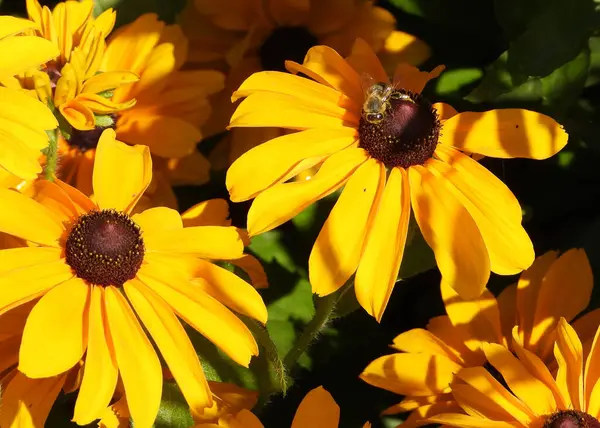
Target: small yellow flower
(23, 120)
(532, 397)
(243, 37)
(95, 270)
(393, 153)
(552, 288)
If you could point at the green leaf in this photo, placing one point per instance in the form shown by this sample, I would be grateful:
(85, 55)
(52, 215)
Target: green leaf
(515, 15)
(104, 121)
(129, 10)
(453, 81)
(270, 248)
(418, 256)
(174, 412)
(553, 38)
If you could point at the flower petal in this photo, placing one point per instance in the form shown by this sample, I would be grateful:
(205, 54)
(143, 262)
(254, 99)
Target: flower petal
(254, 269)
(325, 65)
(18, 107)
(411, 374)
(384, 247)
(78, 115)
(505, 133)
(283, 201)
(121, 173)
(22, 53)
(213, 212)
(51, 196)
(364, 61)
(100, 371)
(270, 162)
(569, 356)
(27, 402)
(231, 290)
(494, 208)
(265, 109)
(211, 242)
(82, 203)
(203, 313)
(521, 382)
(411, 78)
(55, 335)
(17, 258)
(32, 282)
(29, 220)
(138, 364)
(339, 246)
(421, 341)
(451, 232)
(157, 220)
(466, 421)
(107, 81)
(592, 377)
(173, 343)
(317, 409)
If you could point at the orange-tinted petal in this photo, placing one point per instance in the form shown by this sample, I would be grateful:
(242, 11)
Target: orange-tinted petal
(317, 409)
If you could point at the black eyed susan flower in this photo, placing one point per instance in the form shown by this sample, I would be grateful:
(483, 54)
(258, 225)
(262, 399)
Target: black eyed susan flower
(393, 151)
(23, 120)
(531, 397)
(454, 341)
(245, 37)
(96, 270)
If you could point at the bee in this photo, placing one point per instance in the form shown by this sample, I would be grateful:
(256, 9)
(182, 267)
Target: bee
(377, 98)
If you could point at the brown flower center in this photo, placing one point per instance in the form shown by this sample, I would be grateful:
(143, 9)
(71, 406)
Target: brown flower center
(571, 419)
(285, 43)
(398, 128)
(88, 140)
(105, 248)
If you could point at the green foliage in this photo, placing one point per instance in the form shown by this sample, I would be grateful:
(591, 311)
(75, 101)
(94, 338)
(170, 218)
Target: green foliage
(174, 412)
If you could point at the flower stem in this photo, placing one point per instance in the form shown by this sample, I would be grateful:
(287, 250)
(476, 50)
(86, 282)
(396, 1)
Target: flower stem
(51, 153)
(324, 307)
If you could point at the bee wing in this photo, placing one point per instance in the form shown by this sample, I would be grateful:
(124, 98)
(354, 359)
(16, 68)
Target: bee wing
(367, 82)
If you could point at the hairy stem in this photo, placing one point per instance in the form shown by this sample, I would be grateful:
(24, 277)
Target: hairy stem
(51, 153)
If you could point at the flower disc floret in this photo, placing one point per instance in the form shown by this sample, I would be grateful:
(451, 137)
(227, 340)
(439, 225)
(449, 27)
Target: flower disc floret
(105, 248)
(571, 419)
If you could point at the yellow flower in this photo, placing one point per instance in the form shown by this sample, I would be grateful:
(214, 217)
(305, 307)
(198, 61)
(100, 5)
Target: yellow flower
(317, 409)
(401, 152)
(244, 37)
(72, 82)
(535, 304)
(96, 270)
(532, 397)
(23, 120)
(171, 105)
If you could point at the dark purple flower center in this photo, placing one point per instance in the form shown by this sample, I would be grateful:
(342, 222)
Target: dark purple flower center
(105, 248)
(400, 131)
(571, 419)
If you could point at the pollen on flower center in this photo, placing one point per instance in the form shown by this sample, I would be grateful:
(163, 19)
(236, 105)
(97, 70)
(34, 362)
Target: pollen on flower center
(571, 419)
(285, 43)
(105, 248)
(406, 134)
(88, 140)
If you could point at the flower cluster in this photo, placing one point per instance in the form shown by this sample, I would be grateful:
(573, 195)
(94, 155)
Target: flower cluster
(116, 303)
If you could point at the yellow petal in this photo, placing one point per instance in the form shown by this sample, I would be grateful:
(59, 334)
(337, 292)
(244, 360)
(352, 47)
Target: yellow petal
(15, 157)
(505, 133)
(101, 105)
(173, 343)
(203, 313)
(270, 162)
(51, 196)
(82, 203)
(317, 409)
(17, 258)
(78, 115)
(17, 106)
(100, 370)
(27, 402)
(326, 66)
(254, 269)
(34, 10)
(339, 246)
(10, 25)
(281, 202)
(22, 53)
(421, 341)
(231, 290)
(138, 364)
(107, 81)
(466, 421)
(444, 111)
(28, 219)
(480, 315)
(485, 396)
(451, 232)
(411, 374)
(33, 282)
(401, 47)
(554, 300)
(364, 61)
(592, 377)
(55, 335)
(384, 248)
(520, 381)
(411, 78)
(285, 111)
(458, 338)
(211, 242)
(214, 212)
(569, 356)
(157, 220)
(121, 173)
(507, 306)
(298, 87)
(494, 208)
(156, 132)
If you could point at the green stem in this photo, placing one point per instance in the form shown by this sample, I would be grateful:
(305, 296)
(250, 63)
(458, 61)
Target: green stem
(51, 153)
(324, 307)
